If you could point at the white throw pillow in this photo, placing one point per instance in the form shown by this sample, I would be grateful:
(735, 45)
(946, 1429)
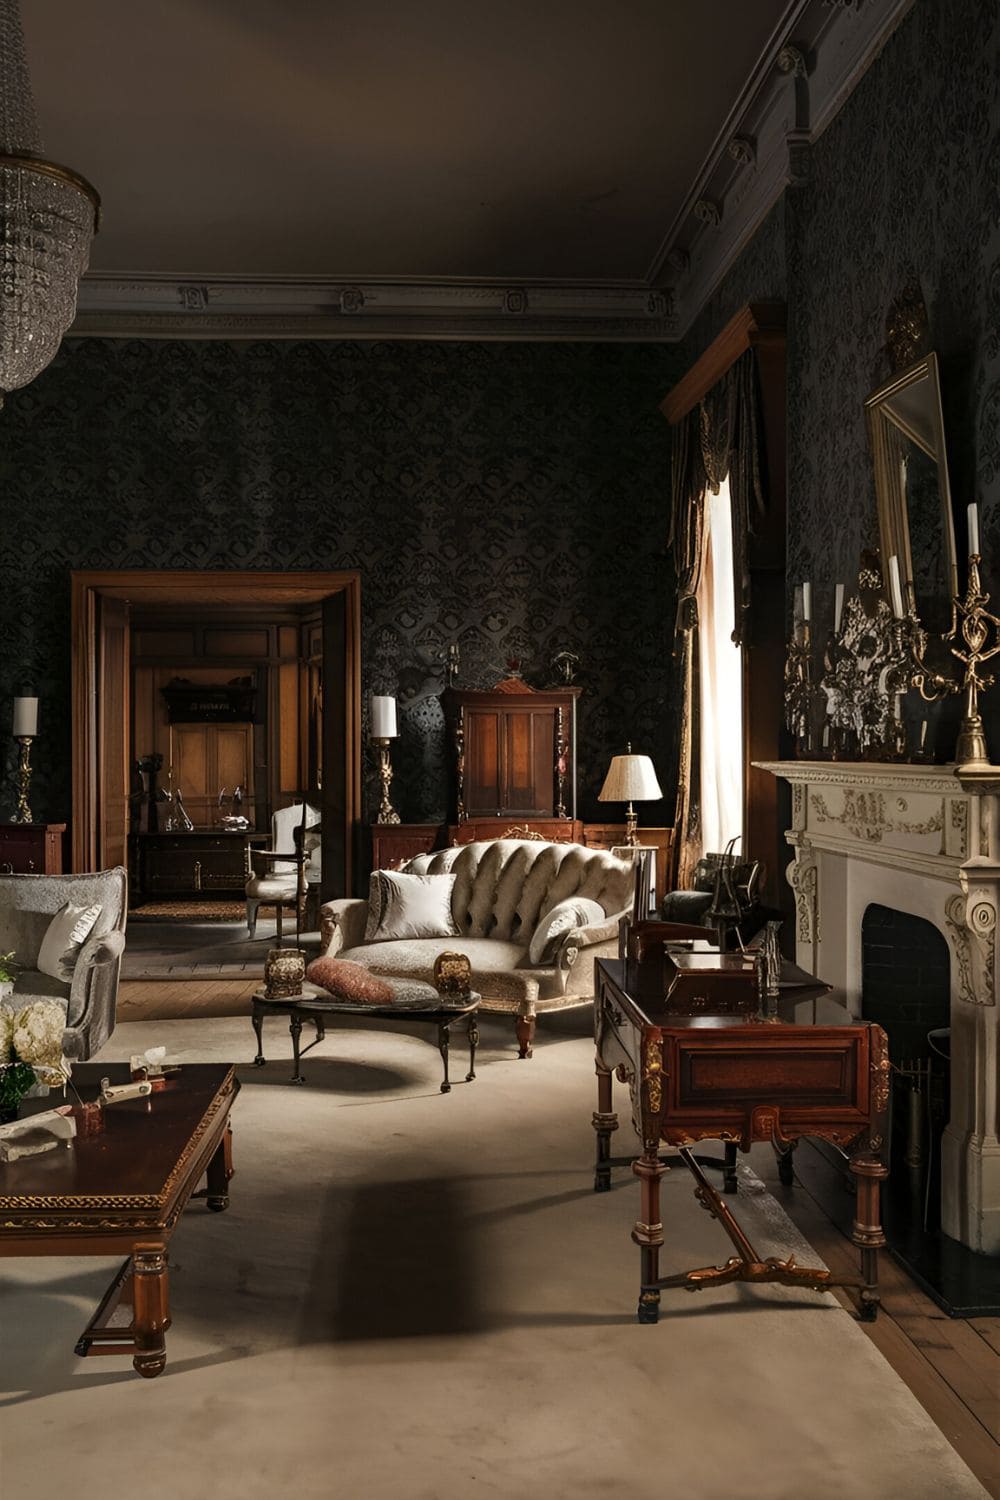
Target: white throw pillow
(578, 911)
(64, 937)
(409, 906)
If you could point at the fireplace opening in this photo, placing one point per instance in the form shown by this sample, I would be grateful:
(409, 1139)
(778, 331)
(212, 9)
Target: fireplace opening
(906, 987)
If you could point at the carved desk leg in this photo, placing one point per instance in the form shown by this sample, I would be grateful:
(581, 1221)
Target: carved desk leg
(220, 1169)
(648, 1232)
(786, 1162)
(151, 1302)
(605, 1121)
(866, 1231)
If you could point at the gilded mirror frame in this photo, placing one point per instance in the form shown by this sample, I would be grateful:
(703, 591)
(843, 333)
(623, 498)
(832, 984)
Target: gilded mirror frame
(887, 423)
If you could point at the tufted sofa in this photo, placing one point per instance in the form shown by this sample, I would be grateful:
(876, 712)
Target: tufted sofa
(503, 889)
(27, 905)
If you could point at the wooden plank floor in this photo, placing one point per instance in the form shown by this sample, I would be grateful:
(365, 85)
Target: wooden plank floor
(952, 1365)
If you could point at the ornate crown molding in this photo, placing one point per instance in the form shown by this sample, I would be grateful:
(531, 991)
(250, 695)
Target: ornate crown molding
(816, 56)
(813, 59)
(276, 307)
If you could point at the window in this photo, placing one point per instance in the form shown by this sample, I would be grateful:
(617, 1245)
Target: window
(721, 682)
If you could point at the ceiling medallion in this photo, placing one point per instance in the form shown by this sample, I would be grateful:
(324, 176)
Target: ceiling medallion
(48, 217)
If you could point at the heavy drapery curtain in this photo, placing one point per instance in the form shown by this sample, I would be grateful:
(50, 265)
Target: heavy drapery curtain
(721, 436)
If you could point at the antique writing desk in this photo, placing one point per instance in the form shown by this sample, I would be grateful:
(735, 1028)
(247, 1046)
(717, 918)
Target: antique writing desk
(122, 1192)
(740, 1080)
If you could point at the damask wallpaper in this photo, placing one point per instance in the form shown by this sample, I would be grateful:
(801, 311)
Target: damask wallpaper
(510, 498)
(906, 180)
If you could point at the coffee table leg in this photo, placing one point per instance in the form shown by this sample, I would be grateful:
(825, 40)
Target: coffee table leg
(295, 1027)
(151, 1308)
(220, 1169)
(473, 1044)
(257, 1021)
(443, 1045)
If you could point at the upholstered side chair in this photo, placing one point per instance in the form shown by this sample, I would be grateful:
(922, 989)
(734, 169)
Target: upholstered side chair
(283, 875)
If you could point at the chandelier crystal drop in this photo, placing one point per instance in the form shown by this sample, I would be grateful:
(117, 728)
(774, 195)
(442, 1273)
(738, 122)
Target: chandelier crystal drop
(48, 217)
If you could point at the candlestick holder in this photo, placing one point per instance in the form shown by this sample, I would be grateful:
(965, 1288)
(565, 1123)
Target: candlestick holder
(968, 640)
(798, 688)
(22, 813)
(386, 812)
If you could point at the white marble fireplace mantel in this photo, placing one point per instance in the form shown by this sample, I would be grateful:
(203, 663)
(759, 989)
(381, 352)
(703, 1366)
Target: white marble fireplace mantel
(924, 840)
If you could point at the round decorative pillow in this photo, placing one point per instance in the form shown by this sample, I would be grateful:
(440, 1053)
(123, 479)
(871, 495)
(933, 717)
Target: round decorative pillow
(349, 981)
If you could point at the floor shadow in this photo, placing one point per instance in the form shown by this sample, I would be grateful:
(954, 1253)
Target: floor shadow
(398, 1260)
(327, 1075)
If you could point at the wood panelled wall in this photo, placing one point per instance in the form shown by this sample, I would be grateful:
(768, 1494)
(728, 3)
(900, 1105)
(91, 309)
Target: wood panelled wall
(276, 756)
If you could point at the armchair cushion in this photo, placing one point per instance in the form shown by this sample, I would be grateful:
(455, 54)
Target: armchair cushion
(64, 937)
(409, 906)
(577, 913)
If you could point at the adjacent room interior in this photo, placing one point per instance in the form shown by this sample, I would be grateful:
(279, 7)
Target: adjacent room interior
(497, 659)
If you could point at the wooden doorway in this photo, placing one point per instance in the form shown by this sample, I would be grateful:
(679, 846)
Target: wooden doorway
(101, 601)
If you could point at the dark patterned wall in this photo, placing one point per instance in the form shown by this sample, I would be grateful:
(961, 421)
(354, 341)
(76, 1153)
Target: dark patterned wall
(906, 178)
(508, 497)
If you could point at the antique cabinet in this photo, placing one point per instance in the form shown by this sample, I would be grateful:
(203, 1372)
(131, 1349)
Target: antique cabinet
(31, 848)
(201, 863)
(515, 752)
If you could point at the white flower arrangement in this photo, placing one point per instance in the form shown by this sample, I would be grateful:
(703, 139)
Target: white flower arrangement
(33, 1036)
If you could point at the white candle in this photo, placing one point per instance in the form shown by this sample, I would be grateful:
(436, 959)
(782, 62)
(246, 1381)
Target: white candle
(383, 718)
(807, 598)
(895, 591)
(974, 529)
(898, 710)
(25, 718)
(923, 733)
(838, 606)
(826, 736)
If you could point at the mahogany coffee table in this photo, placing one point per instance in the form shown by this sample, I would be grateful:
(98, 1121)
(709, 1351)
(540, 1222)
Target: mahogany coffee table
(122, 1192)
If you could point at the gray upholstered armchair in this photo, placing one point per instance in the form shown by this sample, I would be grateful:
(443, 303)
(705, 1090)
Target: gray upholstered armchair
(27, 905)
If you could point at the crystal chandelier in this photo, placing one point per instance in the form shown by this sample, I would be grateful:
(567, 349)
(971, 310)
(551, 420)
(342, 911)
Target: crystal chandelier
(48, 217)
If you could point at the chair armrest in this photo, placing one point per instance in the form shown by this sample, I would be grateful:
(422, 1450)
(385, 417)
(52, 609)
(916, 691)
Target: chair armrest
(584, 937)
(93, 993)
(342, 925)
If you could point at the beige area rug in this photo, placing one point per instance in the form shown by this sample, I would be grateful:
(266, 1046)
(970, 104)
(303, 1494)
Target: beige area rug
(418, 1295)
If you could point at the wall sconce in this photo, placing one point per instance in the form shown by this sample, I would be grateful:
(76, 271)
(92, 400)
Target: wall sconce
(383, 730)
(25, 730)
(630, 778)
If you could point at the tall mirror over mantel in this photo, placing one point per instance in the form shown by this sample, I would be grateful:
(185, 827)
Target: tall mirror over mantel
(916, 522)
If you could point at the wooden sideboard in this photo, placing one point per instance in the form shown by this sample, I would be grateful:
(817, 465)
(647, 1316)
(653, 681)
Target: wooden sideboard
(31, 848)
(203, 863)
(394, 843)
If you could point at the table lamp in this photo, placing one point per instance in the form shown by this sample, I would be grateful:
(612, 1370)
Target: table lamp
(25, 730)
(630, 778)
(383, 730)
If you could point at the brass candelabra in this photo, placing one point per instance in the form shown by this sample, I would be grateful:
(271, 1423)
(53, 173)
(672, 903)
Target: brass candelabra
(972, 639)
(386, 812)
(22, 813)
(798, 687)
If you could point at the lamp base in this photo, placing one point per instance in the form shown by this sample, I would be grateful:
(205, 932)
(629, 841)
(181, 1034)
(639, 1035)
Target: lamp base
(386, 812)
(22, 813)
(631, 827)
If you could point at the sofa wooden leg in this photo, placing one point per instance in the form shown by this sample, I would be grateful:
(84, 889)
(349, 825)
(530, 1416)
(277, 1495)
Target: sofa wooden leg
(525, 1026)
